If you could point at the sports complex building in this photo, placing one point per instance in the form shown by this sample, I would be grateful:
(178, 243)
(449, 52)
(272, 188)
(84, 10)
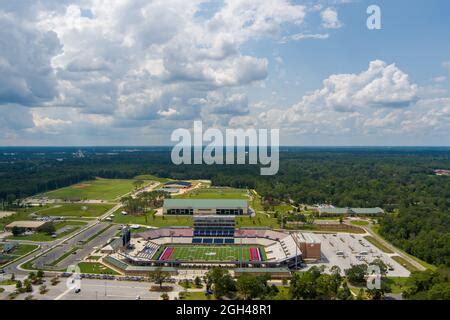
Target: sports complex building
(214, 240)
(232, 207)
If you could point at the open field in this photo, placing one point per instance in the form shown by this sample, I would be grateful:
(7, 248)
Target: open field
(19, 251)
(150, 219)
(209, 252)
(360, 222)
(95, 268)
(76, 210)
(149, 177)
(99, 189)
(71, 226)
(215, 193)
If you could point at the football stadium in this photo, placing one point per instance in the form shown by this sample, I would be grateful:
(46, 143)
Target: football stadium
(213, 240)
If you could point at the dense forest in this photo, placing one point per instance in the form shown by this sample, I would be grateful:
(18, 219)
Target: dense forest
(400, 180)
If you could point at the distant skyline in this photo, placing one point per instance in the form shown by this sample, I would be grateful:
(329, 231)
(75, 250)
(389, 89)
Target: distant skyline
(129, 72)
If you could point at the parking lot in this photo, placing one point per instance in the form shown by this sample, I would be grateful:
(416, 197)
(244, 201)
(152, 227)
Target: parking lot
(344, 250)
(77, 241)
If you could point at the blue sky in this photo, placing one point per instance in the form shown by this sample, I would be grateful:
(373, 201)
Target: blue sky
(130, 72)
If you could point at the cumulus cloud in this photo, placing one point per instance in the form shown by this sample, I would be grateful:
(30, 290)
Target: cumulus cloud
(304, 36)
(27, 77)
(378, 102)
(330, 19)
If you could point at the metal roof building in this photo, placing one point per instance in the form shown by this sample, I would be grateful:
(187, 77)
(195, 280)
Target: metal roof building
(205, 206)
(351, 211)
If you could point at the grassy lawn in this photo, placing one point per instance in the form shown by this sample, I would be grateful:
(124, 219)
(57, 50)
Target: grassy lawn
(151, 220)
(283, 208)
(95, 268)
(360, 222)
(378, 244)
(404, 263)
(149, 177)
(199, 295)
(215, 193)
(19, 251)
(41, 236)
(23, 249)
(210, 252)
(76, 210)
(99, 189)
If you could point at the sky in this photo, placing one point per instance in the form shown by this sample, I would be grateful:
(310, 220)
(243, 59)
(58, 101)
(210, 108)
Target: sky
(130, 72)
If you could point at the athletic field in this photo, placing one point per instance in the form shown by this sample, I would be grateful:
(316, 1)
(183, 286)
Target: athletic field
(99, 189)
(211, 253)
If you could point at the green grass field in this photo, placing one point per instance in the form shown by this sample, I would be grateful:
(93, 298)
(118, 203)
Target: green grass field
(76, 210)
(95, 268)
(19, 251)
(215, 193)
(210, 252)
(99, 189)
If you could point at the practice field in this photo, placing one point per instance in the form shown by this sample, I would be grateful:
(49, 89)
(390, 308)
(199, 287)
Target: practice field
(211, 253)
(215, 193)
(76, 210)
(99, 189)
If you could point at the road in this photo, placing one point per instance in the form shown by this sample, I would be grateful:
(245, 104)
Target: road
(369, 230)
(53, 249)
(48, 247)
(94, 289)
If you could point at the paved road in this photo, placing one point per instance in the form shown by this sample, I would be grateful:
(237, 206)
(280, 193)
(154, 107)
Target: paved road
(85, 248)
(93, 289)
(369, 230)
(49, 246)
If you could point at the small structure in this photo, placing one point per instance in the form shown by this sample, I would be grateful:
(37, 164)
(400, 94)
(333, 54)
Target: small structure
(26, 225)
(178, 184)
(328, 212)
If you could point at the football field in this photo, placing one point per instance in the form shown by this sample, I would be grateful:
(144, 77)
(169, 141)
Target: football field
(210, 253)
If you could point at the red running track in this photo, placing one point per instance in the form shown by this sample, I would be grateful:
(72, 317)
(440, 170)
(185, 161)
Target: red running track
(254, 254)
(167, 253)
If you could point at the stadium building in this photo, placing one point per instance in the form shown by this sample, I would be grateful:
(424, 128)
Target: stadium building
(205, 207)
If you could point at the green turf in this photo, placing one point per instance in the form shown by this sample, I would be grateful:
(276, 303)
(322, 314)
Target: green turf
(99, 189)
(215, 193)
(17, 252)
(95, 268)
(150, 219)
(76, 210)
(210, 252)
(360, 222)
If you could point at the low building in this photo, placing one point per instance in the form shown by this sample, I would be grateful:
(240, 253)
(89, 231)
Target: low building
(205, 207)
(328, 212)
(26, 225)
